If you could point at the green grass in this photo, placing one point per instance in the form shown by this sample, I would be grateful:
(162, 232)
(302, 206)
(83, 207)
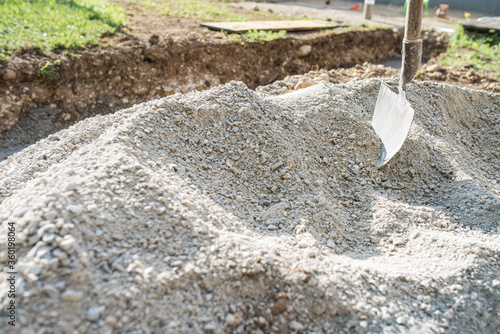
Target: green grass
(256, 36)
(253, 36)
(55, 24)
(357, 27)
(480, 50)
(203, 10)
(276, 16)
(218, 10)
(49, 72)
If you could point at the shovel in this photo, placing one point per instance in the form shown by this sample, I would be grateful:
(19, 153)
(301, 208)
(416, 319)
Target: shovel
(393, 113)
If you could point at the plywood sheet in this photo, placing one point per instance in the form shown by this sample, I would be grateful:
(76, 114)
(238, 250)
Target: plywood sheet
(486, 24)
(294, 25)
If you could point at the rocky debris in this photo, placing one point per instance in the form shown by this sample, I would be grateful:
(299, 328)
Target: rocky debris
(280, 305)
(95, 312)
(460, 76)
(10, 108)
(72, 296)
(154, 39)
(232, 320)
(232, 210)
(304, 83)
(8, 74)
(340, 75)
(464, 75)
(304, 50)
(435, 68)
(434, 42)
(105, 79)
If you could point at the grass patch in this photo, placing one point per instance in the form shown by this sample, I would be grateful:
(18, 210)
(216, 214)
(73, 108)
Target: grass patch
(55, 24)
(49, 72)
(276, 16)
(203, 10)
(257, 36)
(218, 10)
(357, 27)
(479, 49)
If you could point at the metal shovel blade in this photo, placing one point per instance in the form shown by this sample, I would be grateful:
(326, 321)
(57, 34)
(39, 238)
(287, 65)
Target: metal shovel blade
(391, 121)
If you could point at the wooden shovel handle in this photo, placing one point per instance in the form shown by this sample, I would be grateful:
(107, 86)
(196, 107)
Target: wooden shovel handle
(412, 43)
(413, 24)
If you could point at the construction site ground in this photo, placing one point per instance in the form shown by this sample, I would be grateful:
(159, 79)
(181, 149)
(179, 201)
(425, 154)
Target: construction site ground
(156, 56)
(172, 179)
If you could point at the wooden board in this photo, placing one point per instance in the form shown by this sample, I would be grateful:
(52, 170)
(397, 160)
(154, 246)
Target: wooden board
(485, 24)
(296, 25)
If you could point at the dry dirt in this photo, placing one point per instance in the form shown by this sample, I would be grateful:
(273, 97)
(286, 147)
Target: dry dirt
(462, 76)
(101, 79)
(235, 211)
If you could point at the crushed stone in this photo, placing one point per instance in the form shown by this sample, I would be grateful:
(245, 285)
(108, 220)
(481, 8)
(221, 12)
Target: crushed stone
(230, 210)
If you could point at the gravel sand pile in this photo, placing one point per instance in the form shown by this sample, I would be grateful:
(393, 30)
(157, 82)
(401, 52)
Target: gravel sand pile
(234, 211)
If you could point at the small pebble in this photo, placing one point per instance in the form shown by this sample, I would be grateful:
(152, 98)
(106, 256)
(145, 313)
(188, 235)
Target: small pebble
(49, 215)
(296, 326)
(232, 320)
(279, 307)
(67, 242)
(75, 209)
(304, 50)
(72, 295)
(177, 263)
(94, 312)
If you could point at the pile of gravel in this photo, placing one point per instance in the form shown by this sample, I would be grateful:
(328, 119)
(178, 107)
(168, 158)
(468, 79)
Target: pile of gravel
(235, 211)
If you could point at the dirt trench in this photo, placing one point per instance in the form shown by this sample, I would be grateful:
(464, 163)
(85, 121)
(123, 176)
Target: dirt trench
(103, 80)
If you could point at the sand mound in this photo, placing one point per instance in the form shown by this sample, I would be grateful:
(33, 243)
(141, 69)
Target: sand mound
(232, 211)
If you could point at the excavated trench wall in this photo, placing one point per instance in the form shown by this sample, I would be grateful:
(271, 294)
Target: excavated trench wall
(99, 81)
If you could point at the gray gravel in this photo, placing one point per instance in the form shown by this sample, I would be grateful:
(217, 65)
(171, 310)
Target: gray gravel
(233, 211)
